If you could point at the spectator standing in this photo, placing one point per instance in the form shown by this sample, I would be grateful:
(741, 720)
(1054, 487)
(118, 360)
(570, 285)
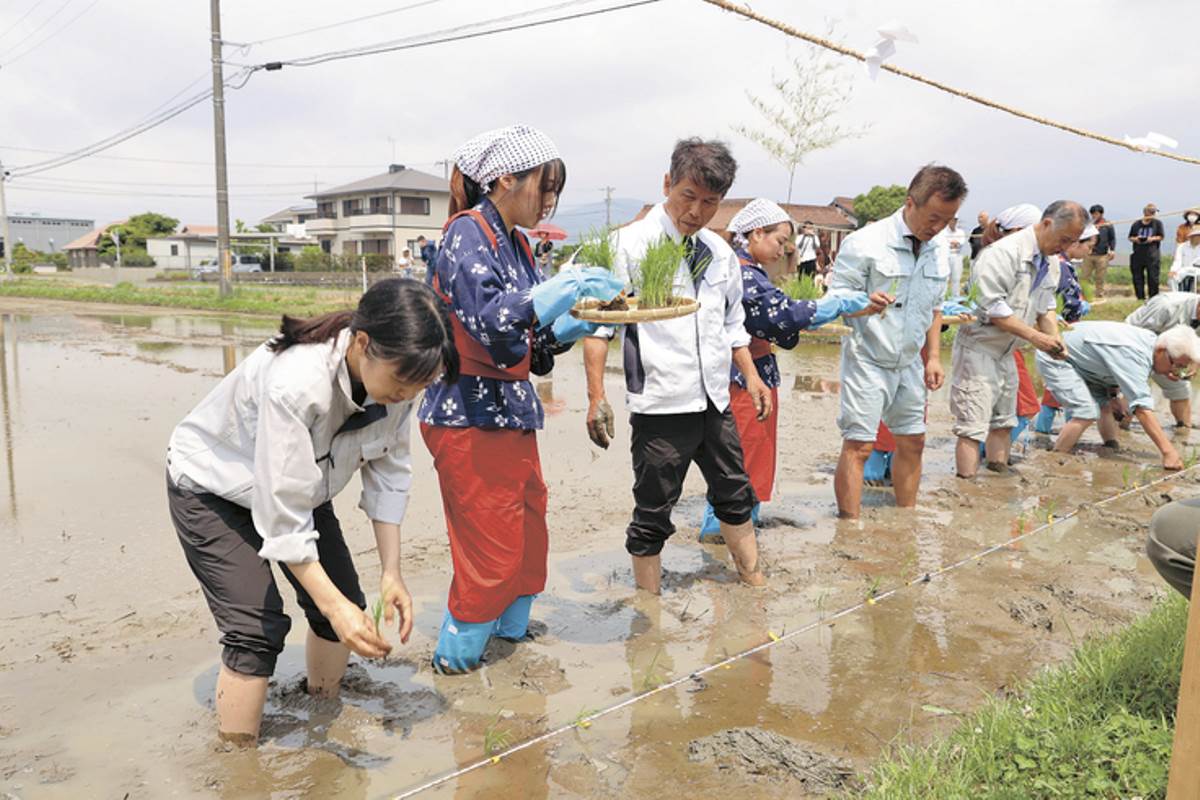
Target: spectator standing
(1187, 257)
(956, 241)
(807, 248)
(428, 251)
(1191, 218)
(1146, 235)
(404, 264)
(542, 253)
(1096, 263)
(977, 234)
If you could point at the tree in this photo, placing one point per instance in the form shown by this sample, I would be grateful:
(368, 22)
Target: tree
(880, 202)
(134, 233)
(804, 121)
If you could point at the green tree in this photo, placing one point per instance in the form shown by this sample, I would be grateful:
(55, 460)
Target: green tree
(809, 100)
(880, 202)
(134, 233)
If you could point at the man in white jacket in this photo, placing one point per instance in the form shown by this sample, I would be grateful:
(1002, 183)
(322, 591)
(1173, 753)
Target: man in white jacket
(1186, 262)
(677, 371)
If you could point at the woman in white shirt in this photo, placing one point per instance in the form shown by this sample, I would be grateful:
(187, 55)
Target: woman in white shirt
(252, 471)
(1187, 257)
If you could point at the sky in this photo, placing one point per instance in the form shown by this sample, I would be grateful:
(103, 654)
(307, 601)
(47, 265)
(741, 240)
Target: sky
(614, 91)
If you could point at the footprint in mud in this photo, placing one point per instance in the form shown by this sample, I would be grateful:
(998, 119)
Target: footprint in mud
(765, 754)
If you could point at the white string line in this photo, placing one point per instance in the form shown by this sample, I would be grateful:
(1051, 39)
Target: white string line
(776, 640)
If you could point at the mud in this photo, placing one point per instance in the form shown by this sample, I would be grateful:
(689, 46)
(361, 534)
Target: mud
(765, 754)
(108, 655)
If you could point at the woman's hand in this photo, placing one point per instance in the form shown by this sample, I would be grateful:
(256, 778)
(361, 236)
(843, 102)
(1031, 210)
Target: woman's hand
(356, 630)
(396, 601)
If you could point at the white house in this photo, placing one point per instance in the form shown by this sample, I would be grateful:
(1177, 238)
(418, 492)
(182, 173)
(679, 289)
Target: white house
(185, 249)
(383, 214)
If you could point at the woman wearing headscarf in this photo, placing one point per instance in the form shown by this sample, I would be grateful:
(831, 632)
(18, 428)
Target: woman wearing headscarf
(1191, 218)
(761, 231)
(481, 428)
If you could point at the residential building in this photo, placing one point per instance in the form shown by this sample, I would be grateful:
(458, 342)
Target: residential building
(85, 251)
(185, 248)
(44, 234)
(292, 219)
(383, 214)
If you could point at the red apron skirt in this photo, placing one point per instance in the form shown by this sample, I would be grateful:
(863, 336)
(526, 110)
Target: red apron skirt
(759, 439)
(1027, 401)
(494, 499)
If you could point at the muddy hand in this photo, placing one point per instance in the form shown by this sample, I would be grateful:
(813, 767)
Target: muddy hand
(601, 424)
(356, 630)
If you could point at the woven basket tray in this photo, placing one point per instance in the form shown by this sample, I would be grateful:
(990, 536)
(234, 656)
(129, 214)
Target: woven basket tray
(588, 310)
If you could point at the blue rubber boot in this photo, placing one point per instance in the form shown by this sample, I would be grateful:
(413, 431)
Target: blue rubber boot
(754, 514)
(878, 469)
(710, 526)
(460, 645)
(514, 622)
(1022, 424)
(1044, 421)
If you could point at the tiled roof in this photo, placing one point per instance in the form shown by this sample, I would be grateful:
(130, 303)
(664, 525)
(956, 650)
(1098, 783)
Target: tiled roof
(92, 240)
(401, 178)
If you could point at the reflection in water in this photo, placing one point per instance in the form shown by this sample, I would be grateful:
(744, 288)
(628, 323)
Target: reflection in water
(815, 383)
(229, 355)
(5, 322)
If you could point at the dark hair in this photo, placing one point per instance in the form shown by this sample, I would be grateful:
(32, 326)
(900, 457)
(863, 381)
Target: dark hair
(1096, 209)
(405, 321)
(772, 228)
(933, 179)
(466, 193)
(709, 164)
(420, 238)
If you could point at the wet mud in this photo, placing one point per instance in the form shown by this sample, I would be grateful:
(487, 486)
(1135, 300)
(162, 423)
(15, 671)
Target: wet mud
(108, 655)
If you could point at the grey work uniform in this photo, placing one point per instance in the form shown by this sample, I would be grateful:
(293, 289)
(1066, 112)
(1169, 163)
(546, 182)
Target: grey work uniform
(251, 473)
(883, 377)
(1102, 357)
(1171, 545)
(1014, 279)
(1159, 314)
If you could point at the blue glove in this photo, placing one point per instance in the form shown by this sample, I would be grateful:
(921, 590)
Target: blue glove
(1084, 308)
(554, 297)
(954, 306)
(830, 307)
(567, 329)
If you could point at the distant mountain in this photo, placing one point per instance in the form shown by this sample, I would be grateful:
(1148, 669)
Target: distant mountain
(579, 219)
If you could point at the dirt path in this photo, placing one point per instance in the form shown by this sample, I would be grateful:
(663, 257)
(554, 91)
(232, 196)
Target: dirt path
(108, 655)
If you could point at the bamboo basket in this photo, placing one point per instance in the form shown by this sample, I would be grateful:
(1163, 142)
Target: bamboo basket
(588, 310)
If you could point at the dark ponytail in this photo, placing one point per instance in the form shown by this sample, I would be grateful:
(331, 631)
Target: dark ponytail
(405, 321)
(464, 192)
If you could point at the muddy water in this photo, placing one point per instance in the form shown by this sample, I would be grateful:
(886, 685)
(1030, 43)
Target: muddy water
(108, 656)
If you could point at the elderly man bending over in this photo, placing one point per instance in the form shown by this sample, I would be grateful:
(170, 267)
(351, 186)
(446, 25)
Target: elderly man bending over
(1159, 314)
(1016, 278)
(1107, 357)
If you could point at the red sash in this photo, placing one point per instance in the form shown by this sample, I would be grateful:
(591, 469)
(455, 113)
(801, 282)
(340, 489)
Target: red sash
(758, 347)
(473, 357)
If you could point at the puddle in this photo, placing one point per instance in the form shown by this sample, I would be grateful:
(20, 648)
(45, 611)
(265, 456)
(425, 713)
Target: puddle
(108, 655)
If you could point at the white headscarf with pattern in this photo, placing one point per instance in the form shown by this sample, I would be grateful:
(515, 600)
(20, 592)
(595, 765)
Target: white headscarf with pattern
(758, 213)
(503, 151)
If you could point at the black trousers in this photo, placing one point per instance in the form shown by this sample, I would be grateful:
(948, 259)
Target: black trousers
(808, 268)
(221, 545)
(664, 447)
(1144, 267)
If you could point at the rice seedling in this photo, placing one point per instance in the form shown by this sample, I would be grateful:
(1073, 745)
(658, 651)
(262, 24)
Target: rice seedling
(1127, 477)
(652, 678)
(655, 276)
(595, 249)
(1191, 458)
(873, 589)
(377, 613)
(802, 287)
(581, 719)
(972, 295)
(496, 739)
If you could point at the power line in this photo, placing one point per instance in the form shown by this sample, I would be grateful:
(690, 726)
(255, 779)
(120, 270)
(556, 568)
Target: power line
(119, 193)
(53, 33)
(17, 24)
(453, 35)
(254, 165)
(85, 182)
(245, 47)
(43, 24)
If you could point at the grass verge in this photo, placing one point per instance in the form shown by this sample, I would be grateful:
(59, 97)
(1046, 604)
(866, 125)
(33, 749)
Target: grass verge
(1098, 726)
(244, 300)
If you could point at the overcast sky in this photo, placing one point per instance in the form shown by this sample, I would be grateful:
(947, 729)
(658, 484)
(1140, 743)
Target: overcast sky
(614, 91)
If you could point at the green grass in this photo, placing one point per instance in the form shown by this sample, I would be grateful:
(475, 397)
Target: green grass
(1099, 726)
(244, 300)
(1113, 308)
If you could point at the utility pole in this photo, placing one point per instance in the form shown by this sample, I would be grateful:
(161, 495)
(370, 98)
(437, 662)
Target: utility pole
(219, 139)
(445, 168)
(8, 245)
(608, 190)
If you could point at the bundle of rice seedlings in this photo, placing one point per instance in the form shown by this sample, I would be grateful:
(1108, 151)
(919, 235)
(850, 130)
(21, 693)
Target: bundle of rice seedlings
(595, 249)
(655, 275)
(802, 287)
